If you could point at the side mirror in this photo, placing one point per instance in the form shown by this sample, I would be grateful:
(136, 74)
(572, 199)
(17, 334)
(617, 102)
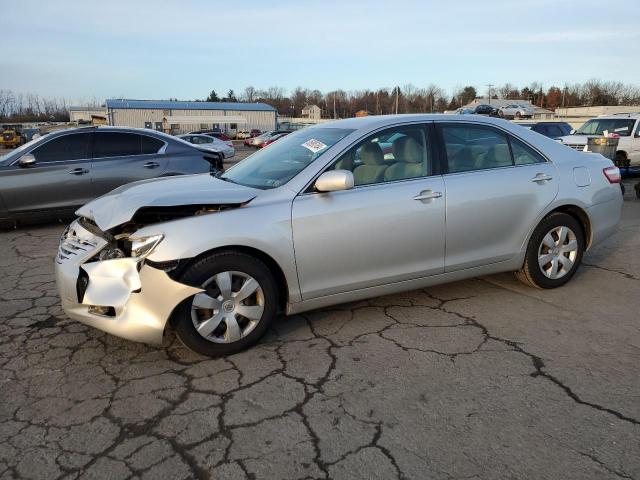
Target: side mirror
(573, 130)
(27, 160)
(334, 180)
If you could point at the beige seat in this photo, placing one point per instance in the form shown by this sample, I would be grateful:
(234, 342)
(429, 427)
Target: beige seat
(345, 162)
(373, 167)
(409, 156)
(498, 156)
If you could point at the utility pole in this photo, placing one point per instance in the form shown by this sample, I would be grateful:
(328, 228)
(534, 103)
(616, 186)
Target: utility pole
(334, 105)
(489, 85)
(397, 90)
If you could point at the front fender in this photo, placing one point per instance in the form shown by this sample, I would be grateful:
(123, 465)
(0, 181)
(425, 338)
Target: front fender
(265, 227)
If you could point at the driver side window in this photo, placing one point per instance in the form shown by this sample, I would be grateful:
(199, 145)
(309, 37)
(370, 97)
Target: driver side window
(394, 154)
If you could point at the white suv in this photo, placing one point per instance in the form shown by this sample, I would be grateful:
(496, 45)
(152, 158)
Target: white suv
(627, 125)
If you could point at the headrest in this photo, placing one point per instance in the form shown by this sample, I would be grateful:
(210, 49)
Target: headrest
(371, 154)
(407, 149)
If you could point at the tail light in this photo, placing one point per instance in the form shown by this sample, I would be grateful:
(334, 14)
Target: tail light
(612, 174)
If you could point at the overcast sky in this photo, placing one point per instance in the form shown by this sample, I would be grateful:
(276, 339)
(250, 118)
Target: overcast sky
(160, 49)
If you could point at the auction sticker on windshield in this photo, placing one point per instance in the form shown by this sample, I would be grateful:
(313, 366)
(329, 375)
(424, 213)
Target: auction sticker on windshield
(314, 145)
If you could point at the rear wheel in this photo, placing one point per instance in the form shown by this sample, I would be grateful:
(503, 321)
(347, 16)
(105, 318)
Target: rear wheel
(621, 160)
(238, 302)
(518, 115)
(554, 252)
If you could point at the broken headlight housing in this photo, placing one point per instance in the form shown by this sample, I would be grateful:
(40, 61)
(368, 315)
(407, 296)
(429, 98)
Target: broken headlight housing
(123, 246)
(141, 247)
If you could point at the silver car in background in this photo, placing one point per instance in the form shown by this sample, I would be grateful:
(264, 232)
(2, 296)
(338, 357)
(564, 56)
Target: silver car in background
(213, 144)
(333, 213)
(515, 110)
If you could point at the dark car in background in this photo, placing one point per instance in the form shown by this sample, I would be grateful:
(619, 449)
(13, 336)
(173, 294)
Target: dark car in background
(52, 176)
(485, 109)
(551, 129)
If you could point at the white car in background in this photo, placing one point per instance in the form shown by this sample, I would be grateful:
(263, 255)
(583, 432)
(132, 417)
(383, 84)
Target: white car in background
(625, 125)
(225, 148)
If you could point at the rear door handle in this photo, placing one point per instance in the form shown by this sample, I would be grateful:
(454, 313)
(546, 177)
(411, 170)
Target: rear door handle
(78, 171)
(541, 177)
(151, 165)
(428, 195)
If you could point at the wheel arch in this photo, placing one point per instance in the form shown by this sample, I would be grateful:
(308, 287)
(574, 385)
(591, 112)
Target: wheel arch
(268, 260)
(582, 218)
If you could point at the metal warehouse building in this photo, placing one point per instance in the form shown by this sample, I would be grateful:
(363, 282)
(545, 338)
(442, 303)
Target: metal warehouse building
(182, 117)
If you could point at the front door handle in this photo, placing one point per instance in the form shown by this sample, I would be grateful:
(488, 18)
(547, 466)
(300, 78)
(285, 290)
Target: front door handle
(541, 177)
(78, 171)
(151, 165)
(428, 195)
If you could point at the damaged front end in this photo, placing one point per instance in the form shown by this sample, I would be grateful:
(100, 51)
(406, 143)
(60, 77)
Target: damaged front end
(102, 271)
(104, 282)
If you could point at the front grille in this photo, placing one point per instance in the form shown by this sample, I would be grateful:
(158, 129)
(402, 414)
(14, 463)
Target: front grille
(70, 247)
(77, 241)
(576, 146)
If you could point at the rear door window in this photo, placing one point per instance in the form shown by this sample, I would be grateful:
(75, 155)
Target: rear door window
(150, 145)
(115, 144)
(67, 147)
(475, 147)
(523, 154)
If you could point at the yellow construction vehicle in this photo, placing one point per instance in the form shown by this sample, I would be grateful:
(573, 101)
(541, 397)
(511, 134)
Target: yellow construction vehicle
(11, 137)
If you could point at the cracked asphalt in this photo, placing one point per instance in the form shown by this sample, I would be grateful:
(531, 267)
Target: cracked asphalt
(481, 379)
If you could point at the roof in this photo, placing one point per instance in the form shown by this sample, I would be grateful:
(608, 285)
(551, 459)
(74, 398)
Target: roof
(86, 109)
(169, 105)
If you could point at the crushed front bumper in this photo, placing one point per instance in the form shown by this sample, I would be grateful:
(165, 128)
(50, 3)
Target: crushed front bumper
(133, 300)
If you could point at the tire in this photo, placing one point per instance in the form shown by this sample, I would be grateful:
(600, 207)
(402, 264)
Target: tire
(621, 160)
(245, 331)
(500, 113)
(542, 276)
(518, 115)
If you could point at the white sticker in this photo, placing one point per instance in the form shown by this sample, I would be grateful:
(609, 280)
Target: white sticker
(621, 129)
(314, 145)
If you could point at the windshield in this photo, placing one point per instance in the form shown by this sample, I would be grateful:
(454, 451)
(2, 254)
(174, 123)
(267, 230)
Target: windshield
(278, 163)
(598, 126)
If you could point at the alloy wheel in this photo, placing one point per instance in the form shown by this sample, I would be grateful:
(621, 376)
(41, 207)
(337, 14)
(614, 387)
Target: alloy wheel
(557, 252)
(230, 307)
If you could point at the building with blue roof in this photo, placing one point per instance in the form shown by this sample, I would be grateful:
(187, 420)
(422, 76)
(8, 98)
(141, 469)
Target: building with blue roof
(177, 117)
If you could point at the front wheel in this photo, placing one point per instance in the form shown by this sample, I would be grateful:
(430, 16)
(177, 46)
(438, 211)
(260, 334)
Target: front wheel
(554, 252)
(237, 305)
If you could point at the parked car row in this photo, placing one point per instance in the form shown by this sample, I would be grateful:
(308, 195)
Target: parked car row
(510, 111)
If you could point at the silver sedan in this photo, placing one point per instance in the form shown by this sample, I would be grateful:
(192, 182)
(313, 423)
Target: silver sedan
(333, 213)
(210, 143)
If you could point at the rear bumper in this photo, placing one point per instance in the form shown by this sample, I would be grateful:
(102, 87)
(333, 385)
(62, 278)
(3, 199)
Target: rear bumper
(605, 218)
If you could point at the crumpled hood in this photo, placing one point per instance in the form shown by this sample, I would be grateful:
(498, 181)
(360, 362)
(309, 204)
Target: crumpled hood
(121, 204)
